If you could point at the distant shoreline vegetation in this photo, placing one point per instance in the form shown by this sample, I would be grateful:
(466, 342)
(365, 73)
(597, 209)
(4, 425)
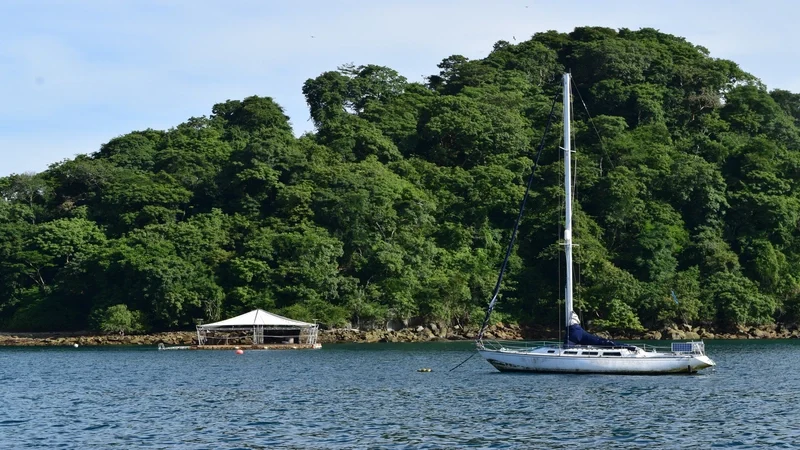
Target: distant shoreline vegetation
(399, 207)
(429, 333)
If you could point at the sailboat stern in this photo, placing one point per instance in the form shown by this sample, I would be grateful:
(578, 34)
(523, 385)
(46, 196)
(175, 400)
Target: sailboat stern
(697, 351)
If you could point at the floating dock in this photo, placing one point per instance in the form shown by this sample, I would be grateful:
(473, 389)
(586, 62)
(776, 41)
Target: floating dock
(244, 347)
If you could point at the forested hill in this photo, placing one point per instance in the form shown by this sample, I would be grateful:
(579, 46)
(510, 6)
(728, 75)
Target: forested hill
(401, 204)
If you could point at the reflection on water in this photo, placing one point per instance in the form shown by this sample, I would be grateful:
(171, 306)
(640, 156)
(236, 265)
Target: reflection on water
(371, 396)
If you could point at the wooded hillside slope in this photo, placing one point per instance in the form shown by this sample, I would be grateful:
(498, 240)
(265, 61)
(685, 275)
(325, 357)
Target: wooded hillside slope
(401, 204)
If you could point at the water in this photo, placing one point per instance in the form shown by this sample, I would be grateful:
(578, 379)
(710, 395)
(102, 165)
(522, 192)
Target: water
(371, 396)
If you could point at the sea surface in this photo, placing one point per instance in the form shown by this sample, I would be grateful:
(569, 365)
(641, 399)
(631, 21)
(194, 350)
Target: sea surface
(372, 396)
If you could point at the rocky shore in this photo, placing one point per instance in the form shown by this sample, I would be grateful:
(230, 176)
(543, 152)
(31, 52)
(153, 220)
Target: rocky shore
(430, 332)
(88, 339)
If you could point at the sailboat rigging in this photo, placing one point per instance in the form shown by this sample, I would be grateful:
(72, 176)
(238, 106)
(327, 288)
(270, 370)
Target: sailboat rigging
(580, 351)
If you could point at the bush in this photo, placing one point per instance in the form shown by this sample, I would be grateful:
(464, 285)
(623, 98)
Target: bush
(317, 311)
(621, 318)
(118, 319)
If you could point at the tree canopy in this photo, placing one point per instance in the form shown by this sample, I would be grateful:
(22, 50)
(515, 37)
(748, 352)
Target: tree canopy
(401, 203)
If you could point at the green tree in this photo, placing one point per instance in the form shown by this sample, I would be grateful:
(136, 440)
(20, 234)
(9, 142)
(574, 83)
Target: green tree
(401, 203)
(118, 319)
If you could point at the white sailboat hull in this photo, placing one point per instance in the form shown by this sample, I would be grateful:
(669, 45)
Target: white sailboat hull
(550, 360)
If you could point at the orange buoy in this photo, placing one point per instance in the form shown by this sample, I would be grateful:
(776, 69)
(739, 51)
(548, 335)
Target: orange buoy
(240, 352)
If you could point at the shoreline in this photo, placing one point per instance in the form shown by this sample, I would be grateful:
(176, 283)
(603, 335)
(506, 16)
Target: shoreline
(430, 333)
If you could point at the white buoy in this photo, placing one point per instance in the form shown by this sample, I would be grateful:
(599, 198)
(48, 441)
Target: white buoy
(75, 345)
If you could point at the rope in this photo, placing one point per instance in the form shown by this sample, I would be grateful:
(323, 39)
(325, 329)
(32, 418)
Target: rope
(605, 153)
(516, 225)
(575, 261)
(462, 362)
(496, 292)
(591, 121)
(561, 207)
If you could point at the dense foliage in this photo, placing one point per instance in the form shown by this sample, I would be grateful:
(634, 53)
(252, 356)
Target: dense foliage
(400, 205)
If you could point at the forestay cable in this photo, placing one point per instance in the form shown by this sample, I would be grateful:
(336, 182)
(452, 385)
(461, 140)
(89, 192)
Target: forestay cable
(516, 225)
(591, 121)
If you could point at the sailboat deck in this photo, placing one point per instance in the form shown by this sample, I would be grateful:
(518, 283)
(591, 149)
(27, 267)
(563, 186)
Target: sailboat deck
(693, 347)
(685, 357)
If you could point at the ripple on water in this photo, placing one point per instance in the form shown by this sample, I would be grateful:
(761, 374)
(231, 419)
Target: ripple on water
(371, 396)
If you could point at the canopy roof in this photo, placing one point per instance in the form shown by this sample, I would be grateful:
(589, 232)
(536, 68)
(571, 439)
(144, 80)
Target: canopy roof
(255, 318)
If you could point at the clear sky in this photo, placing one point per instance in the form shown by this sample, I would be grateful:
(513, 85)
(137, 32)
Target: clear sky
(76, 73)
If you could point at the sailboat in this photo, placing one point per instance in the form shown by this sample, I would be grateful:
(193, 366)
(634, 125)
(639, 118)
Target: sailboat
(583, 352)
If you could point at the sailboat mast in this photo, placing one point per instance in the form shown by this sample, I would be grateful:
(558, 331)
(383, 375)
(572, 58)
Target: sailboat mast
(567, 198)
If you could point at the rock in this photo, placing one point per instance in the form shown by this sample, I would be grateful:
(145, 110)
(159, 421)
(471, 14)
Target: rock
(652, 336)
(676, 334)
(454, 337)
(603, 334)
(372, 336)
(395, 325)
(762, 334)
(420, 328)
(705, 334)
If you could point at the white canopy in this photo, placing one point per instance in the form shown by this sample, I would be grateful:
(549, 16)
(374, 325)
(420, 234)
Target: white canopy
(255, 318)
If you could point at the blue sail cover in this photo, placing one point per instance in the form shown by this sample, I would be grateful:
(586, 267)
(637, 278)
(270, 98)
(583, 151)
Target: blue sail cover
(576, 335)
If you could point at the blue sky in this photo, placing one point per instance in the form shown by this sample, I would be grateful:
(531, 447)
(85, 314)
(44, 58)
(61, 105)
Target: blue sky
(74, 74)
